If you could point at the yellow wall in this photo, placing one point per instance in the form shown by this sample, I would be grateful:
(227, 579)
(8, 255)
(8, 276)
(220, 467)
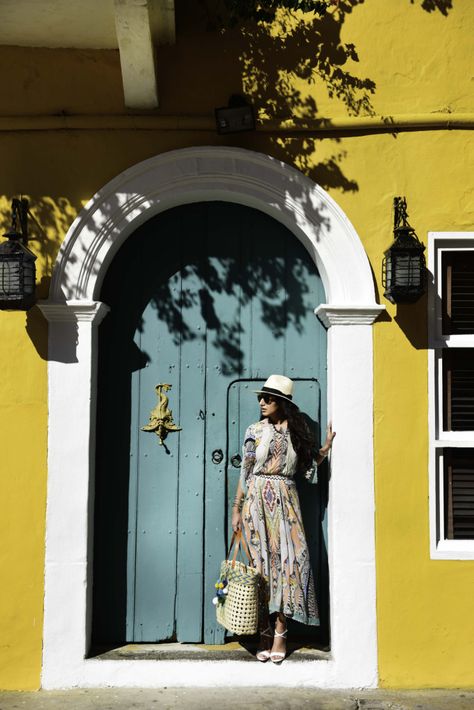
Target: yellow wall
(23, 417)
(419, 63)
(424, 607)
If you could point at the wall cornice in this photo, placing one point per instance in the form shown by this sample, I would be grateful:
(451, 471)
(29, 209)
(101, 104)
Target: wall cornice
(330, 315)
(72, 311)
(206, 123)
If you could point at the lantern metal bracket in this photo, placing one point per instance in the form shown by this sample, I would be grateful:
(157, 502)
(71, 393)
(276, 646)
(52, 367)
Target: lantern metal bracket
(401, 226)
(20, 209)
(400, 213)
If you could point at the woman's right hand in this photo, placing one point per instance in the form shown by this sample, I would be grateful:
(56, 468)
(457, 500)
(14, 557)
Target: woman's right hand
(236, 520)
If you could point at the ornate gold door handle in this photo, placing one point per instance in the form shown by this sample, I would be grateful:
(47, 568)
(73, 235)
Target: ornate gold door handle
(161, 418)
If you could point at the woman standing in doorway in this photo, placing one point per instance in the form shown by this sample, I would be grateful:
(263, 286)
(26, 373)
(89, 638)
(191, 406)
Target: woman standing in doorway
(267, 508)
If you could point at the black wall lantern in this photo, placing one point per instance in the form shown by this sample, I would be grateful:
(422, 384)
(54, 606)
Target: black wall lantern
(17, 262)
(403, 268)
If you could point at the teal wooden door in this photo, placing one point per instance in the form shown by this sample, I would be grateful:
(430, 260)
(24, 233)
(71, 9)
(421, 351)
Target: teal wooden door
(208, 298)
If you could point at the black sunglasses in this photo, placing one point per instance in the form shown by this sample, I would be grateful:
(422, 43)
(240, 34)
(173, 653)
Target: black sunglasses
(267, 398)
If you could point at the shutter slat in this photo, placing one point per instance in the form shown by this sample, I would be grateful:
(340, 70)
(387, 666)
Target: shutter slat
(459, 484)
(458, 386)
(458, 292)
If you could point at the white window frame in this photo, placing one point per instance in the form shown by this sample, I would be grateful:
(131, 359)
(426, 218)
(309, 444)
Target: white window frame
(440, 547)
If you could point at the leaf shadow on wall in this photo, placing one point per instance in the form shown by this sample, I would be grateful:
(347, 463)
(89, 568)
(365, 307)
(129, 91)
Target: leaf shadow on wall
(291, 66)
(283, 69)
(49, 218)
(444, 6)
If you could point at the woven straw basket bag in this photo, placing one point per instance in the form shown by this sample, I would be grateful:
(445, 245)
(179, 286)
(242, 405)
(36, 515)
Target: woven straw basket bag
(238, 609)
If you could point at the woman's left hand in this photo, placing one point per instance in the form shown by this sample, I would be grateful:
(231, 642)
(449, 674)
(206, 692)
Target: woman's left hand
(330, 434)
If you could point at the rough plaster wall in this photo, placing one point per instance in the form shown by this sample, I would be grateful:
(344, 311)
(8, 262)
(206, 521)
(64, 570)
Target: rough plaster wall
(424, 638)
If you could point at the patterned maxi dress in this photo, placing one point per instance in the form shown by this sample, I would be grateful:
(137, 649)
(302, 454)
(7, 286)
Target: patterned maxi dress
(272, 524)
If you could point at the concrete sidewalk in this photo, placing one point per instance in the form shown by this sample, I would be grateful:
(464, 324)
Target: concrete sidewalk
(236, 698)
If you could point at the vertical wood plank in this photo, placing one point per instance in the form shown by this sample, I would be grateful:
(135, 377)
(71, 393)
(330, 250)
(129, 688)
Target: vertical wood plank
(189, 601)
(133, 498)
(242, 411)
(267, 277)
(155, 580)
(223, 365)
(157, 488)
(235, 434)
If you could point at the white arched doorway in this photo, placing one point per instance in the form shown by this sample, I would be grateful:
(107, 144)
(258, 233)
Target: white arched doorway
(73, 312)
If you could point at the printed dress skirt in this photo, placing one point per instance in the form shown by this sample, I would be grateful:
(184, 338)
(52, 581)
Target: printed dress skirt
(273, 527)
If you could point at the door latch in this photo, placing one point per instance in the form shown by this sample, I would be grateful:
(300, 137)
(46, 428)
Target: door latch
(236, 460)
(217, 456)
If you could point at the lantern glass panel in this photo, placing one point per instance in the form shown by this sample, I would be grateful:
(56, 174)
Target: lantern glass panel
(29, 278)
(408, 270)
(402, 270)
(416, 270)
(11, 278)
(17, 275)
(387, 278)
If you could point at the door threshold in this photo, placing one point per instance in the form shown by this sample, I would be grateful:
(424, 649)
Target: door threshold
(232, 651)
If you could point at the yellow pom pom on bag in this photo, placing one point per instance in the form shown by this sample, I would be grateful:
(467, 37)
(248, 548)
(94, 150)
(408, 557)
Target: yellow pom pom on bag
(237, 605)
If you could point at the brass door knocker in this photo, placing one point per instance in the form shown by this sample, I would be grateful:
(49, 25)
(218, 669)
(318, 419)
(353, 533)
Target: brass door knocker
(161, 418)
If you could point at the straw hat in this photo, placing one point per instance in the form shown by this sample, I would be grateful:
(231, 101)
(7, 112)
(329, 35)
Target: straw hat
(279, 386)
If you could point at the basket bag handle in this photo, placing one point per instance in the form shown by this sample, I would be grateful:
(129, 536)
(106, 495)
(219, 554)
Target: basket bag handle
(238, 539)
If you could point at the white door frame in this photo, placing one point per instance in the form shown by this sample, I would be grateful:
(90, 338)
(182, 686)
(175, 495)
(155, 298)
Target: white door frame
(74, 312)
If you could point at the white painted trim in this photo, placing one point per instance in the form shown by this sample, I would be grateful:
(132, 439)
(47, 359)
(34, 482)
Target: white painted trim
(69, 512)
(348, 315)
(71, 311)
(440, 547)
(209, 173)
(172, 179)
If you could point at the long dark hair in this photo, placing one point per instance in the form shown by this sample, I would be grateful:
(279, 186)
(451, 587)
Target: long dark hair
(302, 438)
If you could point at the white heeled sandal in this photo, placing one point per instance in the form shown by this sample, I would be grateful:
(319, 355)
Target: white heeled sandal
(264, 655)
(278, 656)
